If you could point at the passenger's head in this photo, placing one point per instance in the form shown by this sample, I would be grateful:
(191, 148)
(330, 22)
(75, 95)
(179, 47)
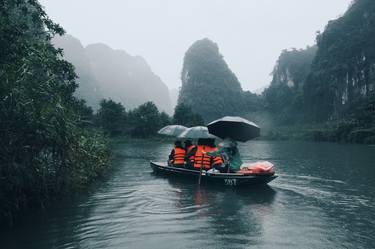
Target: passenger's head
(178, 144)
(228, 143)
(211, 142)
(204, 141)
(188, 143)
(200, 141)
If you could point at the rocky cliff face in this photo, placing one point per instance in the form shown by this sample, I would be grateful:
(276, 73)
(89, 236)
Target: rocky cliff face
(343, 71)
(108, 73)
(293, 67)
(284, 97)
(326, 81)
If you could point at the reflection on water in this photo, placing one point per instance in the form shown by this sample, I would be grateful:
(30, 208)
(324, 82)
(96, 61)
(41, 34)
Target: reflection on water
(323, 198)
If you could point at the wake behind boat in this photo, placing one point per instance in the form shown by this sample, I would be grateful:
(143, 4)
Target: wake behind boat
(226, 179)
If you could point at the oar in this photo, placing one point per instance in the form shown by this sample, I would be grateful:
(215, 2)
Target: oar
(201, 168)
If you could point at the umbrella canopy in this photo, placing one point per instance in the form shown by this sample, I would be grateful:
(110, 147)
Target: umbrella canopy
(172, 130)
(196, 132)
(235, 128)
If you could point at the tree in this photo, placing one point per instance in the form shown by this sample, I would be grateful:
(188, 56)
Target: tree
(183, 115)
(45, 151)
(111, 117)
(165, 119)
(145, 120)
(342, 71)
(284, 97)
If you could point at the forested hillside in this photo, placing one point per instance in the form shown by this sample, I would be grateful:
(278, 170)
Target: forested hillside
(333, 83)
(343, 72)
(209, 87)
(108, 73)
(284, 97)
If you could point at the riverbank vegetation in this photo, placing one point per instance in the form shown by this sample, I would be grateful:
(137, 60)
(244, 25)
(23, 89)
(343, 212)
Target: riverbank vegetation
(47, 149)
(358, 126)
(51, 143)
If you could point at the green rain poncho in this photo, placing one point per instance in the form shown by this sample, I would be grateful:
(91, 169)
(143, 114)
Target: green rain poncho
(232, 154)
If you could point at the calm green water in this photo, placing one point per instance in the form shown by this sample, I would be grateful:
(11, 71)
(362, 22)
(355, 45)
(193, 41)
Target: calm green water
(324, 198)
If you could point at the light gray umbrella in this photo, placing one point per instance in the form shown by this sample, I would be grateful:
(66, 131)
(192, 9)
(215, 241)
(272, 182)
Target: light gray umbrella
(196, 132)
(172, 130)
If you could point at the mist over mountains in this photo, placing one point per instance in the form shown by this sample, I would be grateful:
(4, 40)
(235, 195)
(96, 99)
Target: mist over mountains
(108, 73)
(330, 85)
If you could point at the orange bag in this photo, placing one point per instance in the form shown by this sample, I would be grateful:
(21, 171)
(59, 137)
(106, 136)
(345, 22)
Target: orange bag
(260, 168)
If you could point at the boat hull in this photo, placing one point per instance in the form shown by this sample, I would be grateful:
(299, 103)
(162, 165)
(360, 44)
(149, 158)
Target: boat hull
(224, 179)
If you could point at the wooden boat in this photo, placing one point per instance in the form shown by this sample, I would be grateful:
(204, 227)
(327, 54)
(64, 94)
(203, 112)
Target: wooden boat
(226, 179)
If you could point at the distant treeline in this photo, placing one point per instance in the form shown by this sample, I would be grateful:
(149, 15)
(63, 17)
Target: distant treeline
(141, 122)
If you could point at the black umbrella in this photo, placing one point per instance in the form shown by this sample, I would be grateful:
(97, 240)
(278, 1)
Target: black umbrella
(235, 128)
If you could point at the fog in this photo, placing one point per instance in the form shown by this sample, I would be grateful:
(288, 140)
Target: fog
(249, 33)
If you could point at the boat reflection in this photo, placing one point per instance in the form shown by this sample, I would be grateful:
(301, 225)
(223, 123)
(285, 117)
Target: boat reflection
(226, 214)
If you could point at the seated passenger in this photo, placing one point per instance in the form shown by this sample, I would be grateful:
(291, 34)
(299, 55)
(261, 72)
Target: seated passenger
(177, 155)
(201, 159)
(190, 149)
(230, 153)
(216, 158)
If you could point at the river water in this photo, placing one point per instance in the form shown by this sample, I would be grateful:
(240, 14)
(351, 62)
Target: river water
(324, 198)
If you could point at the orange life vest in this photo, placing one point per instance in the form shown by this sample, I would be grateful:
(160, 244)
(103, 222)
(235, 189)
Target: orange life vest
(201, 158)
(218, 160)
(191, 157)
(179, 156)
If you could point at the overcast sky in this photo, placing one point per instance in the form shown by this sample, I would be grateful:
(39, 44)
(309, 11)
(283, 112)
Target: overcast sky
(250, 33)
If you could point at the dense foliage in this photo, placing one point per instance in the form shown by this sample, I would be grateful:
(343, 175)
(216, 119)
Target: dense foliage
(343, 71)
(183, 115)
(146, 120)
(111, 117)
(46, 149)
(284, 97)
(333, 84)
(357, 126)
(142, 122)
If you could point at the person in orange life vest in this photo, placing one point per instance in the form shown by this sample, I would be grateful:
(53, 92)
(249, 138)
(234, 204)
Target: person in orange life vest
(216, 160)
(177, 155)
(201, 159)
(190, 149)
